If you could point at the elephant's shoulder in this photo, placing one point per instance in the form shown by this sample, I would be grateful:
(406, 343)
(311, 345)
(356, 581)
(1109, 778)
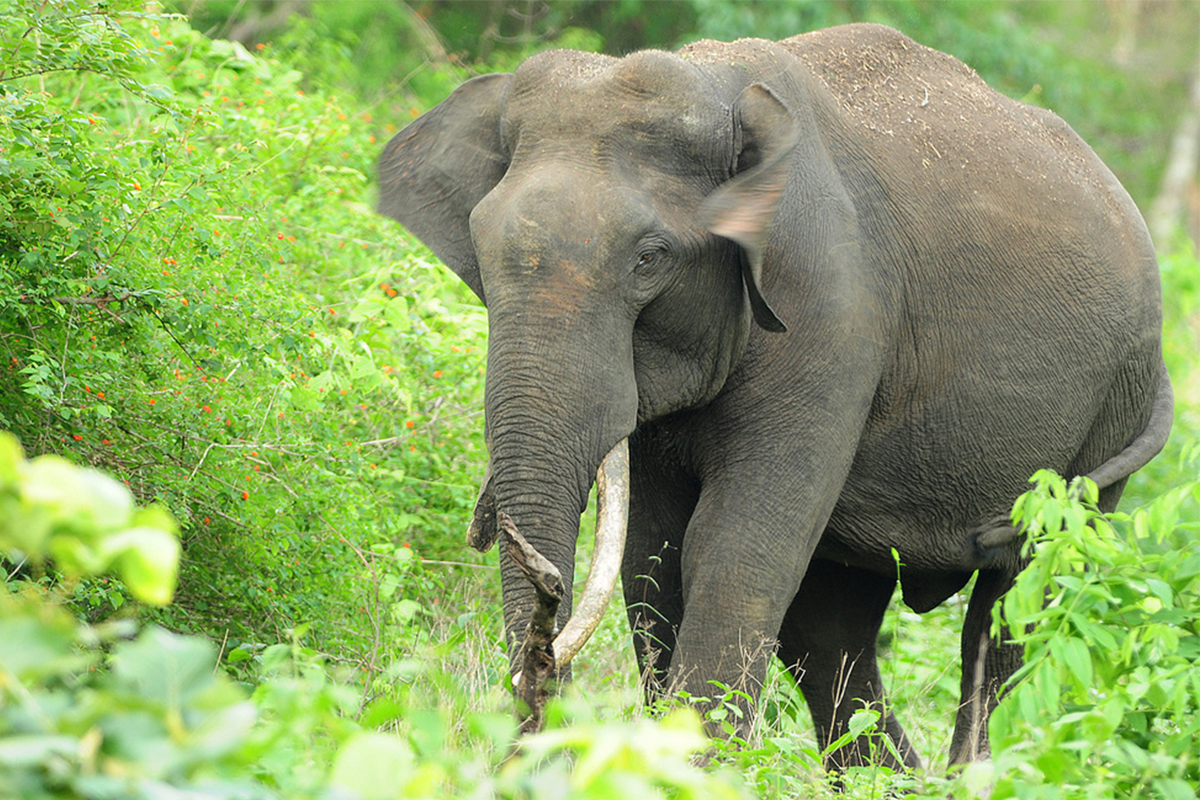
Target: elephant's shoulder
(862, 53)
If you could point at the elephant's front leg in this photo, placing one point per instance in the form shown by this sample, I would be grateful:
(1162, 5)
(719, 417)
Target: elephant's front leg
(739, 574)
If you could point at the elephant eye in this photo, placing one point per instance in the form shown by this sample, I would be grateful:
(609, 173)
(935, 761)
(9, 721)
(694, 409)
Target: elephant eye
(648, 257)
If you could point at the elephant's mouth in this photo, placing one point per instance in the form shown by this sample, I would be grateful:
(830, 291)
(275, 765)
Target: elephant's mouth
(612, 521)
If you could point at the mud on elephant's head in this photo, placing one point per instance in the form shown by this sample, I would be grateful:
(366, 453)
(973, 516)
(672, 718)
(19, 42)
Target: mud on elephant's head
(611, 214)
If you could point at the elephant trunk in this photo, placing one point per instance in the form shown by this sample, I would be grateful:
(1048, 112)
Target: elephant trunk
(550, 425)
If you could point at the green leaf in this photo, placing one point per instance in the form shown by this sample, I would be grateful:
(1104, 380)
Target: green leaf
(11, 458)
(369, 308)
(32, 646)
(35, 751)
(147, 560)
(1075, 654)
(78, 494)
(395, 312)
(1174, 789)
(163, 667)
(375, 766)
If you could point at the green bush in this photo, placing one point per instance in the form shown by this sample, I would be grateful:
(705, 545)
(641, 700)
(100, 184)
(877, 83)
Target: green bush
(198, 299)
(103, 711)
(1108, 702)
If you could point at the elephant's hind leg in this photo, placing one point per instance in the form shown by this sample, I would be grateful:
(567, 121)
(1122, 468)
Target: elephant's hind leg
(987, 664)
(828, 643)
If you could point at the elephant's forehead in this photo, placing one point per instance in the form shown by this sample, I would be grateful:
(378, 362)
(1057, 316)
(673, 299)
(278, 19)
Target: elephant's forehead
(650, 98)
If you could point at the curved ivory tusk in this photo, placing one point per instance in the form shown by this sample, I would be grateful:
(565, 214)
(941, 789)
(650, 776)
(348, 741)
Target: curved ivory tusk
(612, 521)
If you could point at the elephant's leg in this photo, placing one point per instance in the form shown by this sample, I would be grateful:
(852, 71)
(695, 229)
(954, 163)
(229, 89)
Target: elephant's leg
(828, 643)
(987, 664)
(660, 504)
(737, 584)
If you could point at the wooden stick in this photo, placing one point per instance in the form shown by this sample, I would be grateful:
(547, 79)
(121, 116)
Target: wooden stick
(537, 656)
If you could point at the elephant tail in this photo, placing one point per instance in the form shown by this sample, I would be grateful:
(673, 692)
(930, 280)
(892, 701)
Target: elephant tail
(1147, 444)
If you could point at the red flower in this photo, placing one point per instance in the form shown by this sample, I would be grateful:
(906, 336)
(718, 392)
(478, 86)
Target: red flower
(245, 495)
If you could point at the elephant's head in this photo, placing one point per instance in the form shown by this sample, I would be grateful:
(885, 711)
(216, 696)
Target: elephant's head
(611, 214)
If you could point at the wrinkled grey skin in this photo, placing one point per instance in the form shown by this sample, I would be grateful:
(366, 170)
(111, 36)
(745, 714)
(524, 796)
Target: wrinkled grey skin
(968, 295)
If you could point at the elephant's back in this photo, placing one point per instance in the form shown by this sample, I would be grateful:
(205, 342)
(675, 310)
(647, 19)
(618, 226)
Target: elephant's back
(930, 113)
(1026, 293)
(961, 191)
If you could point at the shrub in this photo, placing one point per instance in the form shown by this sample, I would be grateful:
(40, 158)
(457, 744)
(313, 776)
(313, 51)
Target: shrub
(198, 300)
(1108, 702)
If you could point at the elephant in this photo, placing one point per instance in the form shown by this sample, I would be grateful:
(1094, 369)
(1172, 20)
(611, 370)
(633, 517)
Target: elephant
(837, 298)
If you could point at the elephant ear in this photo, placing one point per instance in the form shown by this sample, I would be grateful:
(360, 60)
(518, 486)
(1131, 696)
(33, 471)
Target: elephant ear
(743, 208)
(434, 172)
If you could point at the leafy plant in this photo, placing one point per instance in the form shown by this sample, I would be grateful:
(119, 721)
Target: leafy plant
(1108, 702)
(197, 299)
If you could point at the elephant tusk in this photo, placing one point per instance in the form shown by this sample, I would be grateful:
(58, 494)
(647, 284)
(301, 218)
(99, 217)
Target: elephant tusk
(612, 521)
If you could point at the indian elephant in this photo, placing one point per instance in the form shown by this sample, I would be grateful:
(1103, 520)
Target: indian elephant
(840, 297)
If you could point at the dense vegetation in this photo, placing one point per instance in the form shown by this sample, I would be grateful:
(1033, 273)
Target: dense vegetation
(197, 300)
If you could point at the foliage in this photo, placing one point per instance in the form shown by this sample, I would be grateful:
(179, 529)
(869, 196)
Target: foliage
(198, 300)
(1118, 73)
(1108, 702)
(106, 711)
(85, 522)
(75, 721)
